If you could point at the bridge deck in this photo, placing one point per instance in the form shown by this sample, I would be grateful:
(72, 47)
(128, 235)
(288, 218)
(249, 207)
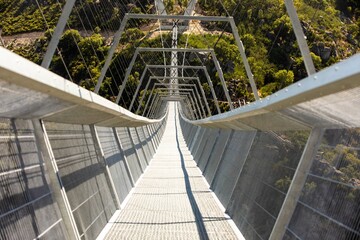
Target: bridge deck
(172, 200)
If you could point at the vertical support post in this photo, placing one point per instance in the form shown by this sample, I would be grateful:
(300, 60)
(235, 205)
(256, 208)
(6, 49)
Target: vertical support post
(199, 101)
(297, 184)
(142, 146)
(204, 97)
(111, 53)
(104, 165)
(300, 37)
(212, 150)
(150, 107)
(151, 138)
(182, 108)
(195, 138)
(138, 88)
(156, 136)
(199, 113)
(241, 48)
(221, 76)
(142, 97)
(136, 151)
(148, 101)
(158, 108)
(59, 29)
(212, 90)
(127, 168)
(55, 183)
(126, 78)
(154, 106)
(195, 106)
(247, 151)
(190, 109)
(221, 158)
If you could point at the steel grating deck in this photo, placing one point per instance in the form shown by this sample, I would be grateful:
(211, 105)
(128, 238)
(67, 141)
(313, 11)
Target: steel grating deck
(172, 199)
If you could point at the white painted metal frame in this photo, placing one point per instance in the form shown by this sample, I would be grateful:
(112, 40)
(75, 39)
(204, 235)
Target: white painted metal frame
(192, 98)
(147, 49)
(59, 29)
(55, 183)
(176, 17)
(198, 82)
(337, 78)
(165, 89)
(197, 99)
(102, 161)
(300, 37)
(23, 73)
(297, 184)
(184, 67)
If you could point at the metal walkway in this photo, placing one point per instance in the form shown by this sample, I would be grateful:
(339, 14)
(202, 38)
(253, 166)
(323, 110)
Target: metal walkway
(172, 200)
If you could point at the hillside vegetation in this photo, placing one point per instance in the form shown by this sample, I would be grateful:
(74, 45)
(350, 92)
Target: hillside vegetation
(332, 28)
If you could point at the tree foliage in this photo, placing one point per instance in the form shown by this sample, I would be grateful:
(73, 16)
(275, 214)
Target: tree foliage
(331, 26)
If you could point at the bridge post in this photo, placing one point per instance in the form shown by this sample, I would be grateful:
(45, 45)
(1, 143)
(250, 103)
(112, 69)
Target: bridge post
(187, 101)
(126, 164)
(153, 102)
(194, 139)
(138, 88)
(212, 90)
(142, 97)
(244, 58)
(198, 99)
(126, 78)
(204, 97)
(142, 146)
(297, 184)
(56, 186)
(59, 29)
(111, 53)
(197, 113)
(156, 140)
(136, 151)
(157, 108)
(221, 158)
(148, 101)
(300, 37)
(190, 107)
(222, 79)
(147, 132)
(246, 154)
(100, 153)
(154, 107)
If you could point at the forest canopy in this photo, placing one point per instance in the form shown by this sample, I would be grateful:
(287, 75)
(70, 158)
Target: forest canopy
(332, 28)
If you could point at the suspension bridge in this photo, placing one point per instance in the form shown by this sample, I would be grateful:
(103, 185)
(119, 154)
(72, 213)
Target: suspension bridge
(169, 162)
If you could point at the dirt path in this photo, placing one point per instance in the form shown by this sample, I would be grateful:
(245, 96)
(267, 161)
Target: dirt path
(26, 38)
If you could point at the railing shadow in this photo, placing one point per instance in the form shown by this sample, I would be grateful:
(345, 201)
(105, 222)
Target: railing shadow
(195, 208)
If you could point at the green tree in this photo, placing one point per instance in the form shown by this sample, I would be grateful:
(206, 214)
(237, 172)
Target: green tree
(284, 78)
